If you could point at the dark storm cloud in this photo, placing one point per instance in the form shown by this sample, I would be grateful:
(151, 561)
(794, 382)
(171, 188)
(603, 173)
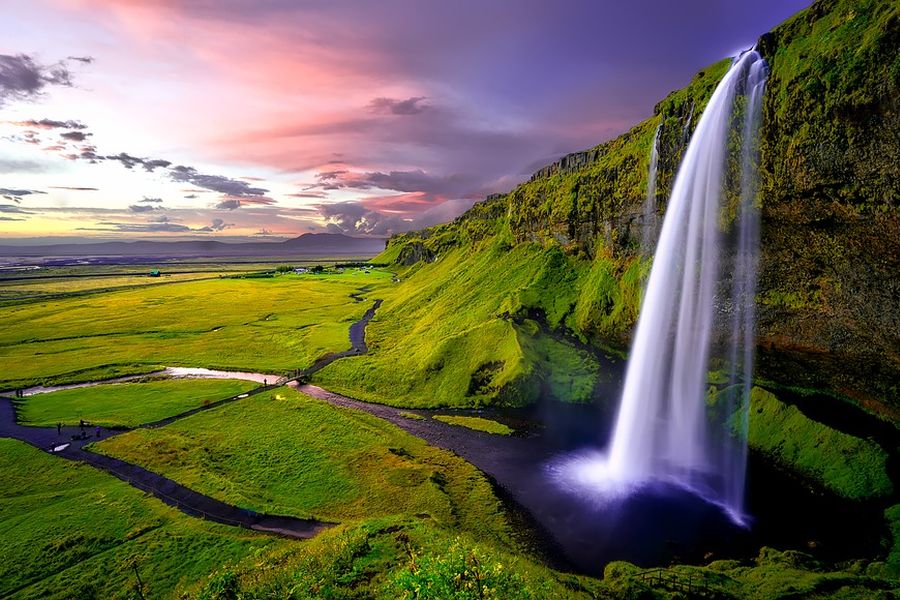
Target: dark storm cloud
(153, 200)
(129, 162)
(12, 219)
(82, 59)
(73, 189)
(216, 183)
(410, 106)
(10, 208)
(190, 196)
(216, 225)
(23, 78)
(16, 195)
(75, 136)
(229, 204)
(141, 208)
(50, 124)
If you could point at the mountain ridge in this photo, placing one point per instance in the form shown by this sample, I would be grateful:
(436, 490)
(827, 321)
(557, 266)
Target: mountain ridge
(307, 243)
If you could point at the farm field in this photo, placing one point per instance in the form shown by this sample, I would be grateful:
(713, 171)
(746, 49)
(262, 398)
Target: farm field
(126, 404)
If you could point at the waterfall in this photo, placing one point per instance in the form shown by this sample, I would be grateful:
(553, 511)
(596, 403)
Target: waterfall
(648, 221)
(700, 291)
(662, 429)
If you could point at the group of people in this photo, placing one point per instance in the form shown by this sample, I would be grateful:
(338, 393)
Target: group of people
(83, 435)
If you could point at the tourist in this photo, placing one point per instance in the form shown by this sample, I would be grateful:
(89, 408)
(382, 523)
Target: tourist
(98, 431)
(58, 428)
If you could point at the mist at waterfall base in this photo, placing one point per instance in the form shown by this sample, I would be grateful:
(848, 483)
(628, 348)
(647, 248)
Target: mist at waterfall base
(671, 440)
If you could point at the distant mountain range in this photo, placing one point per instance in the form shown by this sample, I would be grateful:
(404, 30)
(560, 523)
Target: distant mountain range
(308, 244)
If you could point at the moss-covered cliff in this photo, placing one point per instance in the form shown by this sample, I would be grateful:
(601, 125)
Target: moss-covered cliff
(829, 314)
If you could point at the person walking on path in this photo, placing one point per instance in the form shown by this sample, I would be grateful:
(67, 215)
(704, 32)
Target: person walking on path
(81, 424)
(58, 428)
(98, 431)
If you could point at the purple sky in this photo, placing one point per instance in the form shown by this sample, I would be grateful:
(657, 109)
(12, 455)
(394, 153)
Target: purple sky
(275, 118)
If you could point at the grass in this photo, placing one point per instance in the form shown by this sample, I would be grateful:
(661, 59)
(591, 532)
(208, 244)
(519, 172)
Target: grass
(70, 531)
(276, 324)
(394, 558)
(459, 333)
(476, 423)
(126, 404)
(849, 466)
(402, 558)
(286, 453)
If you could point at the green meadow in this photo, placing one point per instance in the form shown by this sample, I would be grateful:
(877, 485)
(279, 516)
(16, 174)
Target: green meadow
(269, 324)
(282, 452)
(126, 404)
(70, 531)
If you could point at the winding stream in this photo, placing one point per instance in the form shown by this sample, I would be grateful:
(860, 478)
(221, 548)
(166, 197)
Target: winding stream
(653, 527)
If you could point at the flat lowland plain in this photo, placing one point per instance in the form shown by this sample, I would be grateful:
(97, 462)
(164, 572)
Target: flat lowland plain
(28, 289)
(126, 404)
(70, 531)
(267, 324)
(282, 452)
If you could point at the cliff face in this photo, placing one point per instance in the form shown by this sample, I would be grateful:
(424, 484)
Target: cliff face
(829, 293)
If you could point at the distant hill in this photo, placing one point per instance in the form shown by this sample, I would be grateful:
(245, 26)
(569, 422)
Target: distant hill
(308, 244)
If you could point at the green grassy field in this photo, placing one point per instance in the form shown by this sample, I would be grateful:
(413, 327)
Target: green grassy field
(273, 324)
(70, 531)
(476, 423)
(285, 453)
(126, 404)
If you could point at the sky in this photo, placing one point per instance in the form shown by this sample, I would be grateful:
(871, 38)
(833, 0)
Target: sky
(257, 119)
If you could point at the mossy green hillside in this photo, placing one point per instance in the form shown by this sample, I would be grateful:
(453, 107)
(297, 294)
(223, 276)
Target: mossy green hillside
(851, 467)
(829, 160)
(126, 404)
(70, 531)
(275, 324)
(285, 453)
(475, 329)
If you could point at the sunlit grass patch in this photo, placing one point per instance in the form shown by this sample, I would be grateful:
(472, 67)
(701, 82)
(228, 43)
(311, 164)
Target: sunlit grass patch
(476, 423)
(126, 404)
(271, 325)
